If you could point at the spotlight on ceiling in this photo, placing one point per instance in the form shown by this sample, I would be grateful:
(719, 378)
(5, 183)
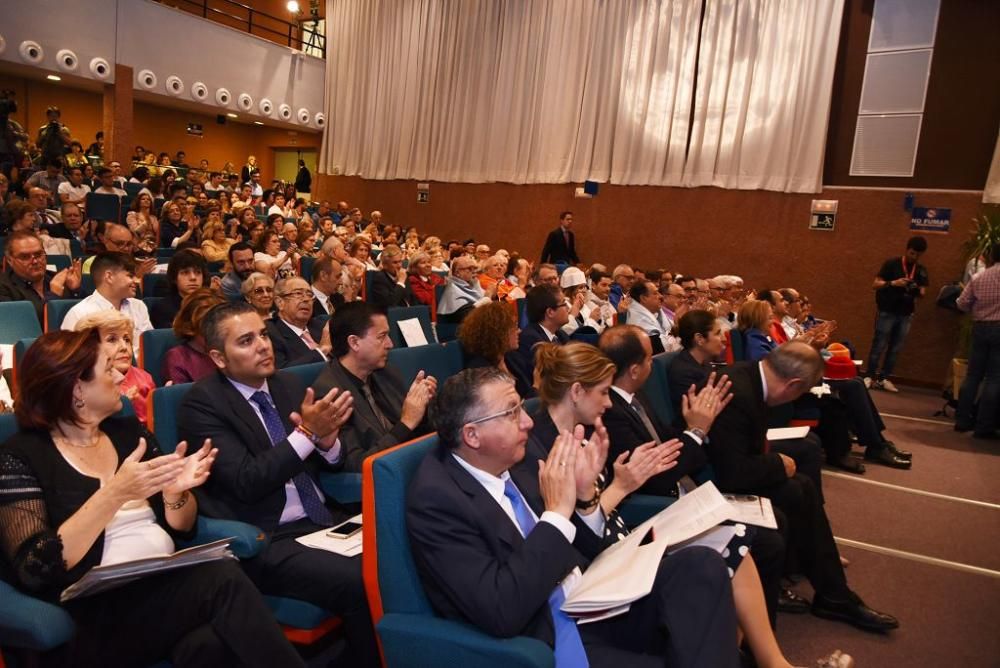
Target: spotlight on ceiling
(53, 77)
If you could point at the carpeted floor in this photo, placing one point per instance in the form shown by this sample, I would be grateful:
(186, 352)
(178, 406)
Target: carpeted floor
(947, 615)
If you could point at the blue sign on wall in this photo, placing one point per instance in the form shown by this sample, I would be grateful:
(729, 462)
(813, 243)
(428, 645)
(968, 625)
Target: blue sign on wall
(929, 219)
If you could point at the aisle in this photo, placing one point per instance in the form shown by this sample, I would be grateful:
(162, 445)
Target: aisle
(940, 524)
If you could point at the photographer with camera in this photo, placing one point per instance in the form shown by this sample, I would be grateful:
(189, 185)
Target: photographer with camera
(899, 283)
(53, 137)
(12, 136)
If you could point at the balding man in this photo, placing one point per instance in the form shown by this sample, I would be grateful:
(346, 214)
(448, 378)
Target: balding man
(45, 218)
(622, 279)
(492, 273)
(743, 463)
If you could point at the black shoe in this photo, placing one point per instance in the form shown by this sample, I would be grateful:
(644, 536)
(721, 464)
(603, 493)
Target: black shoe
(962, 430)
(884, 457)
(891, 447)
(847, 463)
(853, 611)
(987, 436)
(789, 601)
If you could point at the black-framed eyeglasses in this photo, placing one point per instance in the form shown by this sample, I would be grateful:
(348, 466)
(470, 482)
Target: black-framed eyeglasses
(30, 257)
(296, 294)
(514, 412)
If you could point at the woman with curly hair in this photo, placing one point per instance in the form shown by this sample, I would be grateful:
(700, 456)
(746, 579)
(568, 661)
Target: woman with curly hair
(487, 335)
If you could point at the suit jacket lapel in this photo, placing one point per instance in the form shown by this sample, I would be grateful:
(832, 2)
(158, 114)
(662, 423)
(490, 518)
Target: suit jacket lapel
(245, 414)
(494, 516)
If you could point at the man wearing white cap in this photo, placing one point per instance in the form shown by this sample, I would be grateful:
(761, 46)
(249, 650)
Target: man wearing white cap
(581, 312)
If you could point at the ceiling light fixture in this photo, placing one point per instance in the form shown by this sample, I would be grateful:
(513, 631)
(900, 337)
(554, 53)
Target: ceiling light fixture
(53, 77)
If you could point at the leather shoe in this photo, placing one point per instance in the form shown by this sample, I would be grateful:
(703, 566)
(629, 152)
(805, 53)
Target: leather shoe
(987, 436)
(789, 601)
(853, 611)
(885, 458)
(847, 463)
(891, 447)
(962, 429)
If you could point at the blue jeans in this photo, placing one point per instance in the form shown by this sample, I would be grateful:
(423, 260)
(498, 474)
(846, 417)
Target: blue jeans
(890, 330)
(984, 368)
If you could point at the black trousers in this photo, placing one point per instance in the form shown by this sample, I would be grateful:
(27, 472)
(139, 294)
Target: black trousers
(862, 414)
(207, 615)
(808, 455)
(328, 580)
(810, 539)
(768, 552)
(688, 620)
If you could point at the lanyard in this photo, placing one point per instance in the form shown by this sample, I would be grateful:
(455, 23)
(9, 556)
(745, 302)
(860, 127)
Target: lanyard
(912, 272)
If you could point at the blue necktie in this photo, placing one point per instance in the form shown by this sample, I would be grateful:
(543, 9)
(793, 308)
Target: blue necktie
(569, 647)
(310, 498)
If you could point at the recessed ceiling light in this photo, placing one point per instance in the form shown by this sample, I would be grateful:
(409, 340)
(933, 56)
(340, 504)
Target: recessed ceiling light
(232, 115)
(257, 123)
(53, 77)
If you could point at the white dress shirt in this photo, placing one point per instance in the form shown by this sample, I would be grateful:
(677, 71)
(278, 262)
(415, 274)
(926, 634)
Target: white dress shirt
(303, 447)
(95, 303)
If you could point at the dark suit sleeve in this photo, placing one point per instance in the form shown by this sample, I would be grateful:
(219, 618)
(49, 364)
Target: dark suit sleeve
(547, 248)
(737, 468)
(247, 475)
(386, 293)
(498, 596)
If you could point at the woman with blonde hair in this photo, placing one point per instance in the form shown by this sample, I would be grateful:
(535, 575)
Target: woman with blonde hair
(422, 278)
(754, 320)
(487, 335)
(216, 245)
(248, 169)
(574, 381)
(189, 361)
(115, 329)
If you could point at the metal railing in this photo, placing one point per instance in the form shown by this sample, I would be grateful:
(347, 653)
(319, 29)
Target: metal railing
(275, 29)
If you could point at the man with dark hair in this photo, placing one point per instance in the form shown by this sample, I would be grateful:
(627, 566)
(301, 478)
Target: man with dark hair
(256, 190)
(214, 182)
(296, 337)
(547, 312)
(743, 463)
(53, 137)
(600, 289)
(546, 274)
(74, 190)
(495, 532)
(632, 421)
(241, 261)
(273, 439)
(108, 185)
(778, 311)
(690, 286)
(898, 285)
(115, 285)
(326, 276)
(560, 245)
(26, 278)
(386, 413)
(49, 179)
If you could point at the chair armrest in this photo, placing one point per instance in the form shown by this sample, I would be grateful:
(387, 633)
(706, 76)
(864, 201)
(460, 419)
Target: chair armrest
(249, 539)
(638, 508)
(341, 487)
(30, 623)
(422, 640)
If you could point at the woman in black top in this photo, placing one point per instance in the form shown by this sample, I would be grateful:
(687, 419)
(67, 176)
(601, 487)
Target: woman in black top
(81, 488)
(488, 336)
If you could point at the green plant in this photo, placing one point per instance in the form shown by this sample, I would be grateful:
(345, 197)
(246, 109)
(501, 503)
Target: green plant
(985, 236)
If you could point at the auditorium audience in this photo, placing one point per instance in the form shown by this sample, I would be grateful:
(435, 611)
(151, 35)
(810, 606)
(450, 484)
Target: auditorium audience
(297, 338)
(462, 291)
(83, 488)
(115, 286)
(27, 279)
(186, 272)
(273, 439)
(645, 312)
(386, 411)
(547, 312)
(189, 361)
(389, 287)
(489, 337)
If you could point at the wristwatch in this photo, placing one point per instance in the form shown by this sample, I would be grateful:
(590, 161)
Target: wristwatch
(702, 436)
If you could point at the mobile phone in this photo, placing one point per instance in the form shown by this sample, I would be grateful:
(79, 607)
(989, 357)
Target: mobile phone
(345, 530)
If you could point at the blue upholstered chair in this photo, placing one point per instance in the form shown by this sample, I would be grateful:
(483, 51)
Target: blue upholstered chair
(151, 284)
(657, 387)
(153, 347)
(436, 359)
(60, 262)
(18, 321)
(421, 313)
(55, 313)
(409, 631)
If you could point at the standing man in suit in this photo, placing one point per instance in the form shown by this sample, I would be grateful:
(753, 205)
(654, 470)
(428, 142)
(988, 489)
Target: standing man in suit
(743, 463)
(560, 245)
(297, 338)
(386, 413)
(389, 287)
(273, 438)
(498, 537)
(547, 312)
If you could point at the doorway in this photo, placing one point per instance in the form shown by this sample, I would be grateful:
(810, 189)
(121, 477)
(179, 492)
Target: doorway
(286, 163)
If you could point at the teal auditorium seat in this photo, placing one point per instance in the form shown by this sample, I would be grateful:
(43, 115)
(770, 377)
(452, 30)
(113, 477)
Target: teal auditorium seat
(436, 359)
(151, 285)
(738, 345)
(421, 313)
(60, 262)
(87, 285)
(153, 347)
(306, 268)
(657, 387)
(18, 321)
(410, 632)
(55, 312)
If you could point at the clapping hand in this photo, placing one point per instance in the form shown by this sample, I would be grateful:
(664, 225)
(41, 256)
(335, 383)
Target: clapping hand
(700, 408)
(633, 469)
(556, 477)
(590, 458)
(325, 416)
(137, 480)
(421, 391)
(196, 468)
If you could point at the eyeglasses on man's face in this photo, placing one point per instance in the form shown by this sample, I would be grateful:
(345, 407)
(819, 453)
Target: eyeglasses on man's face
(37, 256)
(514, 413)
(297, 294)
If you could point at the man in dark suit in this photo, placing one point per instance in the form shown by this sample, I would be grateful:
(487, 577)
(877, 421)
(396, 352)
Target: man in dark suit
(743, 463)
(547, 312)
(560, 245)
(26, 278)
(631, 421)
(273, 438)
(326, 277)
(386, 292)
(297, 338)
(386, 413)
(493, 542)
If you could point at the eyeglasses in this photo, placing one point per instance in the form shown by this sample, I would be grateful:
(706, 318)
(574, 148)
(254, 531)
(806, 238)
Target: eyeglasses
(514, 413)
(263, 291)
(297, 294)
(30, 257)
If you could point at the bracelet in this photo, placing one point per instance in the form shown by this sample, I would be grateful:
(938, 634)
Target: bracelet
(305, 431)
(594, 500)
(179, 504)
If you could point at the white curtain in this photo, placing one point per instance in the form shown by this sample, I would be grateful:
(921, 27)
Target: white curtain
(555, 91)
(765, 76)
(991, 193)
